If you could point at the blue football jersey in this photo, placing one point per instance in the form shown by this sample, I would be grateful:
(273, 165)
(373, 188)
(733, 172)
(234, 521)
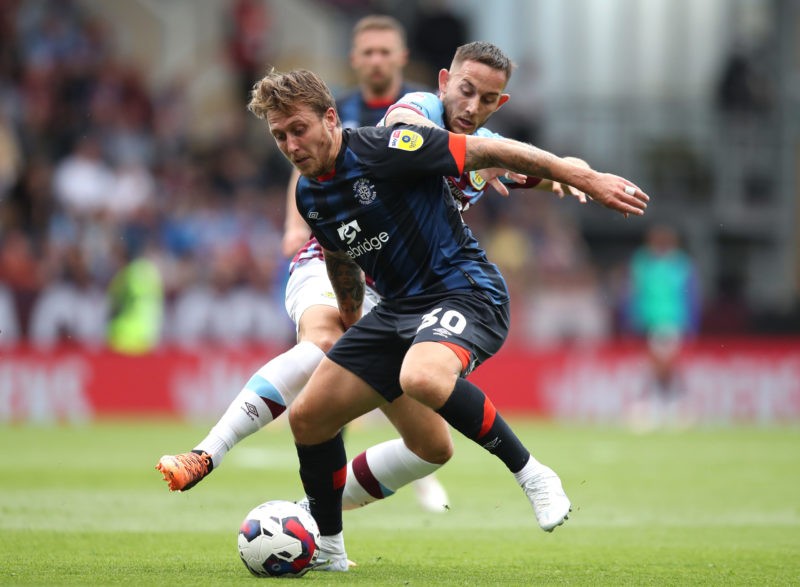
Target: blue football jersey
(354, 111)
(388, 206)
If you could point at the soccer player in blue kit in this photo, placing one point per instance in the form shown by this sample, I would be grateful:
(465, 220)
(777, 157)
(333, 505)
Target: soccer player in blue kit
(378, 203)
(377, 57)
(470, 92)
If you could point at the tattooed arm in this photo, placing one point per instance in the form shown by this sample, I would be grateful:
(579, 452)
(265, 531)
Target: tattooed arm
(605, 188)
(347, 280)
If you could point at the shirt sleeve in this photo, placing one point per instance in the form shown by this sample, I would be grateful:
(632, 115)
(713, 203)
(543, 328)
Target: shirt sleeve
(409, 151)
(423, 103)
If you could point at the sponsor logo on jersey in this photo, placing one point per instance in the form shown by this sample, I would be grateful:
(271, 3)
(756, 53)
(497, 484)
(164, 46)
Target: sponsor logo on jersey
(405, 140)
(373, 243)
(476, 180)
(313, 215)
(348, 232)
(364, 191)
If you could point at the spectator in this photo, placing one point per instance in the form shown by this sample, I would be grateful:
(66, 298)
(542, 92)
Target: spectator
(9, 325)
(71, 309)
(663, 309)
(20, 273)
(83, 181)
(137, 302)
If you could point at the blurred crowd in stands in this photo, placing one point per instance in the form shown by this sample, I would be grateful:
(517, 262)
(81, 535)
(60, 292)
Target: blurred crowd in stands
(99, 170)
(108, 205)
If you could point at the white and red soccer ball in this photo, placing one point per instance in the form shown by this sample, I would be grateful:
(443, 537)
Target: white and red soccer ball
(278, 539)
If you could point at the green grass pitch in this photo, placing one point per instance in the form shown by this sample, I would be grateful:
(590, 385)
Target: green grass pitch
(84, 506)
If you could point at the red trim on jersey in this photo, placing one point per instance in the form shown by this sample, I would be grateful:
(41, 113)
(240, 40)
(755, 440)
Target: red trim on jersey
(458, 149)
(385, 103)
(460, 351)
(339, 477)
(489, 414)
(327, 176)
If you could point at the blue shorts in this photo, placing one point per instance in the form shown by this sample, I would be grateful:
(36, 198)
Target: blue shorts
(374, 348)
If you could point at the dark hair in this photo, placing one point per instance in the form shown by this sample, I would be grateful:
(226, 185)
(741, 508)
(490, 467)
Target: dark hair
(286, 92)
(485, 53)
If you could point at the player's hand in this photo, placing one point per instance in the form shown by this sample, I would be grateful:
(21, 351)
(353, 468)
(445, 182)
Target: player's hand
(293, 240)
(492, 176)
(563, 189)
(617, 193)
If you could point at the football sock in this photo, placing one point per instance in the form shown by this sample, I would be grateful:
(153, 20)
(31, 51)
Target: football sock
(332, 545)
(323, 468)
(469, 411)
(380, 471)
(265, 397)
(530, 468)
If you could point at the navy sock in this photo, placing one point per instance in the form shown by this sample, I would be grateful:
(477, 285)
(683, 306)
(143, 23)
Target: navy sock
(323, 470)
(469, 411)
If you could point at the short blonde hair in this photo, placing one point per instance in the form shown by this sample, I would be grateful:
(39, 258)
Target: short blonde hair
(287, 92)
(379, 22)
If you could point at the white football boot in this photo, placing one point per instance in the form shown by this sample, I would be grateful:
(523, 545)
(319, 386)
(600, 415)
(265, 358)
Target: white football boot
(550, 504)
(332, 556)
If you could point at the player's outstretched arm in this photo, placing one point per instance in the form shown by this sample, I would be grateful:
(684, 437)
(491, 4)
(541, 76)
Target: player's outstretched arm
(563, 189)
(347, 280)
(610, 190)
(295, 229)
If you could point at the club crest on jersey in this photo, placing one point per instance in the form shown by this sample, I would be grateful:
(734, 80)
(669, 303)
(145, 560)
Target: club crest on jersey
(476, 180)
(348, 232)
(364, 191)
(405, 140)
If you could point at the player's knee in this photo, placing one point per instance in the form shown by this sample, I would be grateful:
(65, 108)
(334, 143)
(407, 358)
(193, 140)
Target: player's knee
(438, 453)
(428, 386)
(303, 426)
(298, 424)
(324, 339)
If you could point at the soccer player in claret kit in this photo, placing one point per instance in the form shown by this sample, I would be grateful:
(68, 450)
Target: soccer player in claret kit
(377, 201)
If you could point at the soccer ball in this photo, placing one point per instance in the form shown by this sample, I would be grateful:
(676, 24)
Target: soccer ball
(278, 539)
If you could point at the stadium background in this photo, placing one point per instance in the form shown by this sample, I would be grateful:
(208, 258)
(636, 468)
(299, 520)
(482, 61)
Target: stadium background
(123, 123)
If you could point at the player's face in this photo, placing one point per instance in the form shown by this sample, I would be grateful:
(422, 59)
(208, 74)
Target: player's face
(305, 139)
(378, 58)
(471, 93)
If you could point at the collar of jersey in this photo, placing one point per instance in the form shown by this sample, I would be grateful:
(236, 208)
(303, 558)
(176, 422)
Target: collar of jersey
(332, 173)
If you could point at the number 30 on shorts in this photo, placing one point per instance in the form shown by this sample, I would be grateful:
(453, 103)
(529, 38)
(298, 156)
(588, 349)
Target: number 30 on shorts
(451, 320)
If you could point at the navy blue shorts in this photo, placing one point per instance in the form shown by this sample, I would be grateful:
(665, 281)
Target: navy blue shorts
(374, 348)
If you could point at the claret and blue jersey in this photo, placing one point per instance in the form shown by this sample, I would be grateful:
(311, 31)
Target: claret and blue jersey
(469, 187)
(387, 205)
